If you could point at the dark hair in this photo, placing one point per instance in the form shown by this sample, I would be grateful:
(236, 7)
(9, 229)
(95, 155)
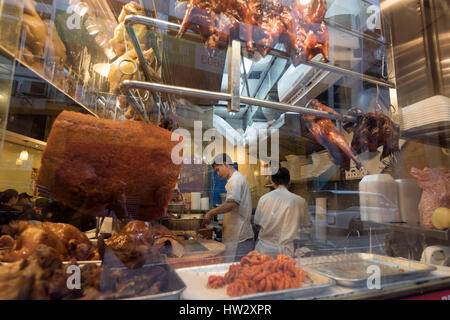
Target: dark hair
(282, 177)
(7, 195)
(24, 195)
(221, 159)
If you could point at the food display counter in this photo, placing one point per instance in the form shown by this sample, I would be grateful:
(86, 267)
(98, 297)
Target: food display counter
(131, 101)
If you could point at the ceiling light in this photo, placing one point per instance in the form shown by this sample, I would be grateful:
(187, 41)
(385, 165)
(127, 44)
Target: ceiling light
(24, 155)
(19, 162)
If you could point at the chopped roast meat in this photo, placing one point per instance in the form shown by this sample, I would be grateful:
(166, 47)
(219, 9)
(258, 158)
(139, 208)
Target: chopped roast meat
(39, 276)
(43, 276)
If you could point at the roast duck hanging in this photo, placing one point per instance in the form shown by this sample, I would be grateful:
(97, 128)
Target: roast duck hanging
(370, 131)
(373, 130)
(299, 25)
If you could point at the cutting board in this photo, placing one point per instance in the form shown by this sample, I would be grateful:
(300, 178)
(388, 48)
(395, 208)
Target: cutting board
(199, 252)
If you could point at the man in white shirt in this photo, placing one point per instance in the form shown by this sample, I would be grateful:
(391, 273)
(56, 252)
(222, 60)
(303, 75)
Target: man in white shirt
(237, 231)
(280, 214)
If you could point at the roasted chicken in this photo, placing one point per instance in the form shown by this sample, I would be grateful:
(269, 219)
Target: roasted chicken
(28, 237)
(126, 66)
(133, 234)
(69, 242)
(78, 246)
(328, 135)
(37, 34)
(121, 42)
(137, 233)
(262, 24)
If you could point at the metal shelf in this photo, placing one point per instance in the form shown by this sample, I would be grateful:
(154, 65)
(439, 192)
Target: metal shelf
(431, 233)
(170, 26)
(7, 52)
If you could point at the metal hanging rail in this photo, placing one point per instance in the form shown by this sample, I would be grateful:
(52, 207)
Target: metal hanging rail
(157, 87)
(136, 19)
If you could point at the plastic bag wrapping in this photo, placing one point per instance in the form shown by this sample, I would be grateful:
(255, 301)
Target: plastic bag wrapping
(435, 184)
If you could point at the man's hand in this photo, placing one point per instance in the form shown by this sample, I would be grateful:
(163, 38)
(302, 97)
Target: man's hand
(207, 219)
(224, 208)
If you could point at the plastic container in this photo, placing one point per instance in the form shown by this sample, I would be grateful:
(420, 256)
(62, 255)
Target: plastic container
(195, 200)
(294, 165)
(204, 204)
(378, 199)
(409, 194)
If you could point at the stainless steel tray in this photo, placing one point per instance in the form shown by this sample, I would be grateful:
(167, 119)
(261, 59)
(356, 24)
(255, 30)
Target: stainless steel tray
(351, 270)
(196, 279)
(173, 290)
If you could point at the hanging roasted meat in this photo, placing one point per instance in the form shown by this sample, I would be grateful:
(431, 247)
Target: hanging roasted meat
(328, 135)
(309, 30)
(270, 28)
(373, 130)
(198, 17)
(262, 24)
(121, 42)
(222, 26)
(40, 35)
(251, 16)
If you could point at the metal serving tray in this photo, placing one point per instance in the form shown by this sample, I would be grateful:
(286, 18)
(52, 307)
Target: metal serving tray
(172, 291)
(196, 279)
(352, 270)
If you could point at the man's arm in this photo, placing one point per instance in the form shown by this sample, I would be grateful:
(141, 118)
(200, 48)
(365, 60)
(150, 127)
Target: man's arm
(224, 208)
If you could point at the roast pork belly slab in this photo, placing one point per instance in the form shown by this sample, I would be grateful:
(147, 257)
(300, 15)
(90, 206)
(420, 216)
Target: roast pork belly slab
(95, 165)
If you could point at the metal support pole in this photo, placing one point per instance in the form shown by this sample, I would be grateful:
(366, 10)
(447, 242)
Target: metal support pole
(234, 76)
(133, 84)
